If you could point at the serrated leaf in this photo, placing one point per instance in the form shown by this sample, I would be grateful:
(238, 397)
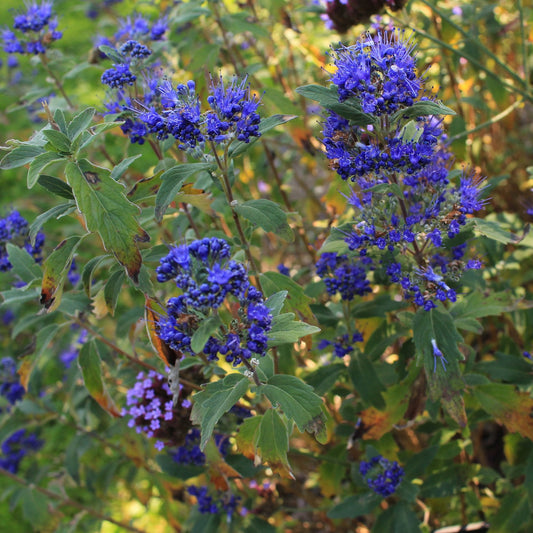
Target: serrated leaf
(55, 271)
(444, 377)
(171, 182)
(34, 506)
(422, 108)
(325, 377)
(112, 290)
(90, 365)
(510, 407)
(477, 305)
(23, 263)
(41, 162)
(108, 212)
(271, 442)
(267, 215)
(56, 186)
(295, 398)
(55, 212)
(21, 155)
(80, 123)
(285, 330)
(266, 124)
(216, 399)
(493, 230)
(117, 172)
(58, 140)
(207, 327)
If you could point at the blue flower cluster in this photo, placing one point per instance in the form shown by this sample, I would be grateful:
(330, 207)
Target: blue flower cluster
(206, 275)
(191, 454)
(341, 275)
(209, 504)
(408, 204)
(120, 74)
(10, 387)
(382, 475)
(151, 409)
(233, 114)
(16, 447)
(15, 229)
(38, 25)
(343, 345)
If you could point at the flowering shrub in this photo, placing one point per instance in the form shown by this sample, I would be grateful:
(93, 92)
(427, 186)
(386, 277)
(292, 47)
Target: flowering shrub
(275, 293)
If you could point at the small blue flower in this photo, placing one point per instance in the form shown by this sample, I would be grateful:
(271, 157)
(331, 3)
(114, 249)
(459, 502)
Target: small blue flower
(382, 475)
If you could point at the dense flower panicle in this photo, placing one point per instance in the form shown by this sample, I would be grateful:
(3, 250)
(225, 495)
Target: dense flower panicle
(38, 27)
(207, 277)
(382, 475)
(214, 504)
(141, 28)
(118, 76)
(380, 72)
(190, 453)
(342, 276)
(407, 203)
(15, 229)
(152, 411)
(10, 387)
(16, 447)
(234, 111)
(343, 345)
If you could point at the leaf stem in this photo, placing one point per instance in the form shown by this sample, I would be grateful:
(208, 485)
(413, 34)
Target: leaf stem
(57, 82)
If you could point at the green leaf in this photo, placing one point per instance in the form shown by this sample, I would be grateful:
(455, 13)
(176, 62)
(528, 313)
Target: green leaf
(117, 172)
(55, 271)
(39, 164)
(90, 365)
(107, 211)
(355, 505)
(23, 263)
(329, 98)
(268, 216)
(202, 334)
(366, 381)
(171, 182)
(216, 399)
(514, 511)
(59, 119)
(34, 506)
(422, 108)
(272, 441)
(58, 140)
(447, 384)
(276, 301)
(112, 290)
(493, 230)
(325, 377)
(398, 518)
(266, 124)
(21, 155)
(80, 123)
(286, 330)
(298, 301)
(296, 399)
(55, 212)
(87, 273)
(111, 53)
(511, 368)
(56, 186)
(477, 305)
(13, 297)
(181, 471)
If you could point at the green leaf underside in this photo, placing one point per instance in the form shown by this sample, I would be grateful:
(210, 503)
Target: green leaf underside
(40, 163)
(23, 263)
(108, 212)
(268, 216)
(20, 156)
(171, 182)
